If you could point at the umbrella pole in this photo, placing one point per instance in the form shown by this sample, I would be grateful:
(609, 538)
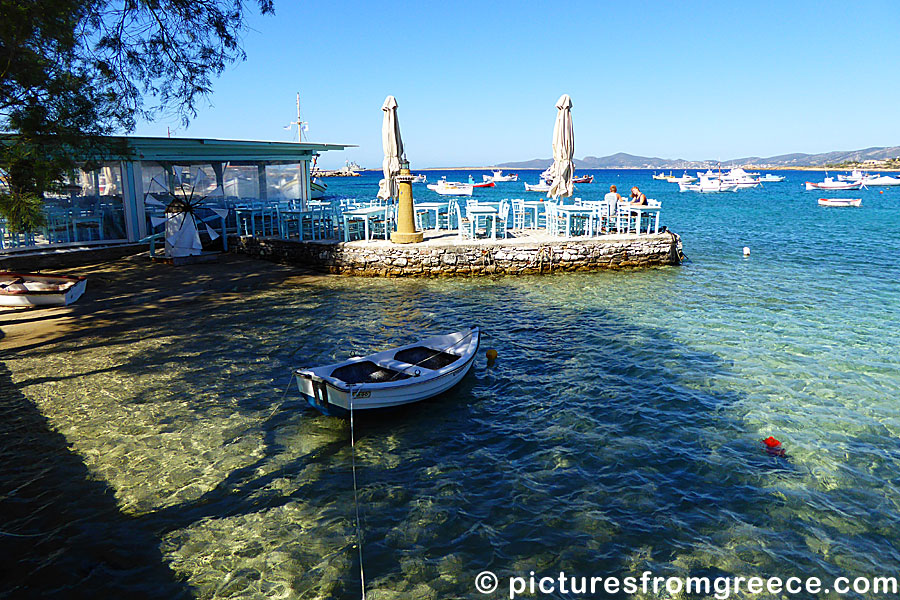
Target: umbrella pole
(406, 225)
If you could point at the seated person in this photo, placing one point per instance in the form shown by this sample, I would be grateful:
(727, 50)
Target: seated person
(637, 197)
(613, 197)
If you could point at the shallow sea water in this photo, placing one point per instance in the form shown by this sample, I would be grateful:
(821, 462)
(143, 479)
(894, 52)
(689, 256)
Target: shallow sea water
(619, 430)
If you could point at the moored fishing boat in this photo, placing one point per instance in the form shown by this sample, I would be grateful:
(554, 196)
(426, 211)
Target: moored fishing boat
(831, 184)
(840, 201)
(497, 176)
(880, 180)
(708, 185)
(483, 184)
(33, 289)
(542, 186)
(584, 179)
(770, 178)
(391, 378)
(451, 188)
(317, 189)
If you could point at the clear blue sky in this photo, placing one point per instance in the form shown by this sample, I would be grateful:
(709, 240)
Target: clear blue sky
(476, 82)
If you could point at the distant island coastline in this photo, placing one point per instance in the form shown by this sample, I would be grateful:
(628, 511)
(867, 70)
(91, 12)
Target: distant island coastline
(880, 158)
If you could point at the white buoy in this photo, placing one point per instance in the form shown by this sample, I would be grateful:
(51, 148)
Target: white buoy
(746, 250)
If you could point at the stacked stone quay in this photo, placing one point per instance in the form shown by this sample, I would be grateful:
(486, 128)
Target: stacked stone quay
(446, 255)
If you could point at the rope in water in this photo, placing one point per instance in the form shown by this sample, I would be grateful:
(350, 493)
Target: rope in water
(362, 574)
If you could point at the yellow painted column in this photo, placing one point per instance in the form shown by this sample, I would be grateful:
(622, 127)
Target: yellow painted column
(406, 224)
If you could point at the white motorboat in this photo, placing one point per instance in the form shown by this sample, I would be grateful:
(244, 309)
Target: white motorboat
(542, 186)
(708, 185)
(451, 188)
(877, 180)
(685, 178)
(855, 175)
(663, 176)
(391, 378)
(419, 179)
(831, 184)
(497, 176)
(770, 178)
(741, 178)
(33, 289)
(840, 201)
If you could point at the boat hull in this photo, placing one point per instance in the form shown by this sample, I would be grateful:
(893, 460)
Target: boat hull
(840, 201)
(20, 295)
(810, 186)
(333, 396)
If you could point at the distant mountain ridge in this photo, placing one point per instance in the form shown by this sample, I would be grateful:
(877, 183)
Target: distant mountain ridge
(621, 160)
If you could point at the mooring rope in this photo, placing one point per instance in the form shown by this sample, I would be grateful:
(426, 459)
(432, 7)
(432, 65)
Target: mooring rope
(362, 574)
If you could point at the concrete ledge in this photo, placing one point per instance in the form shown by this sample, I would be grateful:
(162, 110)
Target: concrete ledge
(447, 255)
(63, 258)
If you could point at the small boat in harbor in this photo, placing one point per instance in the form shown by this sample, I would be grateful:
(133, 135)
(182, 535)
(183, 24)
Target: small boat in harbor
(497, 176)
(483, 184)
(840, 201)
(317, 189)
(708, 185)
(33, 289)
(879, 180)
(542, 186)
(663, 176)
(419, 179)
(451, 188)
(831, 184)
(584, 179)
(391, 378)
(770, 178)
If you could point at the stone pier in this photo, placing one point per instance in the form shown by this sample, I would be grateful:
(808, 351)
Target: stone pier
(444, 254)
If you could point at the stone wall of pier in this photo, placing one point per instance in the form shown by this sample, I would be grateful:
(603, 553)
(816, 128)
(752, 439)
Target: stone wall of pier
(452, 259)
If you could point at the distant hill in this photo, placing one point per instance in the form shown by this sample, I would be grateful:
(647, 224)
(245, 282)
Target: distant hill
(622, 160)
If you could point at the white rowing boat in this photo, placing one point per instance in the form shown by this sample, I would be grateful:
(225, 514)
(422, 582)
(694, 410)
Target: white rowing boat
(33, 289)
(840, 201)
(391, 378)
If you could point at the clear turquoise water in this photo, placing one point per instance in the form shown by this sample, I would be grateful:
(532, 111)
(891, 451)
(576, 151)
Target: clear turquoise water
(619, 431)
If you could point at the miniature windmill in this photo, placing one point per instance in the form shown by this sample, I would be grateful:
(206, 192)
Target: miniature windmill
(183, 200)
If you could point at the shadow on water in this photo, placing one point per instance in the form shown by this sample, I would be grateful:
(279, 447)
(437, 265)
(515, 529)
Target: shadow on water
(592, 446)
(63, 535)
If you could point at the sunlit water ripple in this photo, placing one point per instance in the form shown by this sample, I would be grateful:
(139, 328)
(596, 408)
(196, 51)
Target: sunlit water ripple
(619, 431)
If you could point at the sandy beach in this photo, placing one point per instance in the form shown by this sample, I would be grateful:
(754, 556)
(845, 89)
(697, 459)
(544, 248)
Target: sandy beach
(137, 288)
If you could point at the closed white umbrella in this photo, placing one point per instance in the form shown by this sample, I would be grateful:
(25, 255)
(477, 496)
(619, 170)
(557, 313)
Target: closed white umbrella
(393, 149)
(563, 169)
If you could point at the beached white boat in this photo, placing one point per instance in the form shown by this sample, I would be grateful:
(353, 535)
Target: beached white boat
(770, 178)
(391, 378)
(707, 186)
(831, 184)
(542, 186)
(451, 188)
(33, 289)
(497, 176)
(840, 201)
